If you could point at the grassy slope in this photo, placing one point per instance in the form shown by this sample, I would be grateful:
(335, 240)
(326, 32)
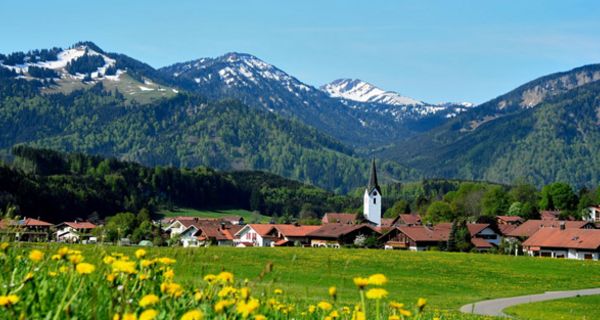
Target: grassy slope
(447, 280)
(247, 215)
(583, 308)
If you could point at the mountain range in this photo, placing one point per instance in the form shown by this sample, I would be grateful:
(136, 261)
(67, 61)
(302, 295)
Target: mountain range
(237, 112)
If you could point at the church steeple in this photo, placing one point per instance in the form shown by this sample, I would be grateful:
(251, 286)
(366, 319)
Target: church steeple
(373, 184)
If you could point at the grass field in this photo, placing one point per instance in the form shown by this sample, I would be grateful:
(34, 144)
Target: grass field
(248, 216)
(447, 280)
(583, 308)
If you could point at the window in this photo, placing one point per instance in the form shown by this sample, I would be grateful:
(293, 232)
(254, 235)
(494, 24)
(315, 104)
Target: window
(374, 200)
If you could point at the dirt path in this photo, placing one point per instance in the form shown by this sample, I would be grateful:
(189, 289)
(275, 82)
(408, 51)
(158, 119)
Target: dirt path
(494, 307)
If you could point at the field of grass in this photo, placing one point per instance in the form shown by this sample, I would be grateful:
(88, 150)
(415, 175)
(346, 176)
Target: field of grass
(582, 308)
(447, 280)
(248, 216)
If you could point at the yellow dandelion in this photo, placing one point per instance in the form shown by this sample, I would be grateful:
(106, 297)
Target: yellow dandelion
(198, 295)
(56, 257)
(28, 276)
(405, 313)
(193, 315)
(85, 268)
(166, 261)
(172, 289)
(129, 316)
(260, 317)
(421, 303)
(312, 309)
(3, 246)
(361, 283)
(225, 277)
(169, 274)
(333, 292)
(52, 274)
(9, 300)
(120, 266)
(110, 277)
(146, 263)
(63, 251)
(394, 317)
(222, 305)
(278, 291)
(378, 279)
(148, 300)
(108, 260)
(324, 305)
(140, 253)
(149, 314)
(63, 269)
(210, 278)
(396, 305)
(226, 291)
(36, 255)
(246, 308)
(334, 314)
(376, 294)
(75, 258)
(359, 315)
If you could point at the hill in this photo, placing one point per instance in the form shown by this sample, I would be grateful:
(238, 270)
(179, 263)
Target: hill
(547, 130)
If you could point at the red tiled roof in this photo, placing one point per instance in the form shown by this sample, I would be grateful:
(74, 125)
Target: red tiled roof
(261, 229)
(387, 222)
(81, 225)
(481, 243)
(423, 233)
(530, 227)
(336, 230)
(30, 222)
(344, 218)
(549, 215)
(588, 239)
(290, 230)
(509, 219)
(505, 229)
(475, 228)
(281, 242)
(409, 218)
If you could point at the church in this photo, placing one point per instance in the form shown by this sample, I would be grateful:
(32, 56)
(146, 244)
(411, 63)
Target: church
(372, 198)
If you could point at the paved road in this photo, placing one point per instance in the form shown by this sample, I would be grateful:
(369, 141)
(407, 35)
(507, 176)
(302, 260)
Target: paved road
(494, 307)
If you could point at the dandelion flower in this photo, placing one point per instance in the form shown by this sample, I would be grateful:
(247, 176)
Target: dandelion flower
(225, 277)
(278, 291)
(324, 305)
(140, 253)
(361, 283)
(376, 294)
(193, 315)
(210, 278)
(148, 300)
(166, 261)
(260, 317)
(129, 316)
(8, 300)
(149, 314)
(405, 313)
(394, 317)
(246, 308)
(333, 292)
(3, 246)
(85, 268)
(421, 303)
(36, 255)
(378, 279)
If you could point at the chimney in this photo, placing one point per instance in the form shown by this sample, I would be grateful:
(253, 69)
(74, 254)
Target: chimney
(562, 225)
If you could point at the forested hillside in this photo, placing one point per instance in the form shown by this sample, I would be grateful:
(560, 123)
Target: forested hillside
(58, 186)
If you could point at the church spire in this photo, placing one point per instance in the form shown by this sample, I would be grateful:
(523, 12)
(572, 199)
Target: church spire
(373, 184)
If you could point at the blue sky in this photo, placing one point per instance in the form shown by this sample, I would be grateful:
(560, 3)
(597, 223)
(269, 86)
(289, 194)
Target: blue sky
(430, 50)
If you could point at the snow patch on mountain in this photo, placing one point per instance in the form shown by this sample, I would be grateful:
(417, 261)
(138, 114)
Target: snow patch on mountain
(358, 90)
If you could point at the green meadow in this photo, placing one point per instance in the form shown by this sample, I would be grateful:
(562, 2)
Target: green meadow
(582, 308)
(446, 280)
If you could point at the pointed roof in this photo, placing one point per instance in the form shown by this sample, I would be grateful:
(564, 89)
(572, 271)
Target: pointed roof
(373, 184)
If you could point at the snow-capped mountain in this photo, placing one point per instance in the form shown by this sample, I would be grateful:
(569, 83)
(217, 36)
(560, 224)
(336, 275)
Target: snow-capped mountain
(358, 90)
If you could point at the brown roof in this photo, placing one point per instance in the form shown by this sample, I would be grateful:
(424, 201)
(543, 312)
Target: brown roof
(549, 215)
(344, 218)
(261, 229)
(568, 238)
(387, 222)
(291, 230)
(530, 227)
(409, 218)
(336, 230)
(481, 243)
(509, 219)
(505, 229)
(213, 229)
(80, 225)
(475, 228)
(423, 233)
(30, 222)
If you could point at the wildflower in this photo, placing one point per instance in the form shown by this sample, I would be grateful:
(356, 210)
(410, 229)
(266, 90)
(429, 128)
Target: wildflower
(148, 300)
(378, 279)
(110, 277)
(359, 315)
(108, 260)
(210, 278)
(333, 292)
(28, 276)
(396, 305)
(246, 308)
(124, 267)
(193, 315)
(52, 274)
(172, 289)
(9, 300)
(405, 313)
(421, 303)
(361, 283)
(129, 316)
(143, 277)
(278, 291)
(56, 257)
(312, 309)
(222, 305)
(226, 291)
(260, 317)
(149, 314)
(198, 295)
(3, 246)
(169, 274)
(225, 277)
(85, 268)
(324, 305)
(166, 261)
(63, 269)
(346, 310)
(140, 253)
(63, 251)
(36, 255)
(334, 314)
(376, 294)
(146, 263)
(394, 317)
(75, 258)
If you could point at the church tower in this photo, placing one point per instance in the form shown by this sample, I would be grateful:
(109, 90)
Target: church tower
(372, 198)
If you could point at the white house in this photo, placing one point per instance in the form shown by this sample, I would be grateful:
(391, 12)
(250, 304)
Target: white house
(485, 232)
(581, 244)
(74, 231)
(592, 214)
(254, 235)
(372, 199)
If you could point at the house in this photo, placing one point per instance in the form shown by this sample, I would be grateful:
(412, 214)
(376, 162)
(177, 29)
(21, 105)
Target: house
(529, 227)
(407, 219)
(415, 238)
(254, 235)
(574, 243)
(209, 232)
(592, 214)
(74, 231)
(509, 220)
(482, 234)
(550, 214)
(175, 226)
(343, 218)
(27, 229)
(337, 235)
(291, 234)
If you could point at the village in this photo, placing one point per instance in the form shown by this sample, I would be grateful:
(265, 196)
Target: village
(548, 236)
